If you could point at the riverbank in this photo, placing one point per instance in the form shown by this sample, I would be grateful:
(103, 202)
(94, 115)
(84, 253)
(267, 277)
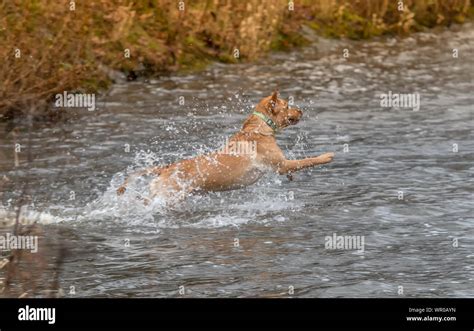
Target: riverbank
(62, 46)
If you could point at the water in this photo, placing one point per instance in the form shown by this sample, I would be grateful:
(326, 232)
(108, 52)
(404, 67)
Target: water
(120, 248)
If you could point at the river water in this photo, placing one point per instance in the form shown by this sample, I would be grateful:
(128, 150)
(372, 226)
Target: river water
(423, 241)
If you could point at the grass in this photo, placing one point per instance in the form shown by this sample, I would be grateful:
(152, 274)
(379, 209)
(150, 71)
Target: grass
(49, 47)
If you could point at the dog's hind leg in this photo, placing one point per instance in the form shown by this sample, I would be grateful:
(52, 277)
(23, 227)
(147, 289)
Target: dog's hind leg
(155, 170)
(169, 191)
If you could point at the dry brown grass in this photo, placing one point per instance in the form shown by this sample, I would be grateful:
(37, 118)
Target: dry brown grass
(65, 50)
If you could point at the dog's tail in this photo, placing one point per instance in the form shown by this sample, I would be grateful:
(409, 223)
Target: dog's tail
(155, 170)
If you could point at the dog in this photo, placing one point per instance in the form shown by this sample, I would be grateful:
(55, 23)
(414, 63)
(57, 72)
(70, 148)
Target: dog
(241, 162)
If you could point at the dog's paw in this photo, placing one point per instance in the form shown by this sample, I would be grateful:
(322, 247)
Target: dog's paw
(326, 158)
(121, 190)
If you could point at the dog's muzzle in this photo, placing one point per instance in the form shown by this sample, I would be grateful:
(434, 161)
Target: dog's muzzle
(295, 118)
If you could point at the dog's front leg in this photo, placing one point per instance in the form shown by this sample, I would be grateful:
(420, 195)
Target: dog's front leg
(289, 166)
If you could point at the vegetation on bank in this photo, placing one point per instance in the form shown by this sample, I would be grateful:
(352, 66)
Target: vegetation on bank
(51, 46)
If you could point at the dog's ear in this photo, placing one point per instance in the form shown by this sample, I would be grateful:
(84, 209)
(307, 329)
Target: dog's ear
(273, 101)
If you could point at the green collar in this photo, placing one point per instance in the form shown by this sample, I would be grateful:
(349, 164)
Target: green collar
(267, 120)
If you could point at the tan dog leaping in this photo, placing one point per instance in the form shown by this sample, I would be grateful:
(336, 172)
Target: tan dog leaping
(244, 159)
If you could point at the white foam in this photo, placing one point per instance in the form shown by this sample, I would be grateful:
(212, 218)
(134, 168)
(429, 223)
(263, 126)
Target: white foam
(26, 217)
(130, 211)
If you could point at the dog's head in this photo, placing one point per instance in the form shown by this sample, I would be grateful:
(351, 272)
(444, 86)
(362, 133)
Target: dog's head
(279, 111)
